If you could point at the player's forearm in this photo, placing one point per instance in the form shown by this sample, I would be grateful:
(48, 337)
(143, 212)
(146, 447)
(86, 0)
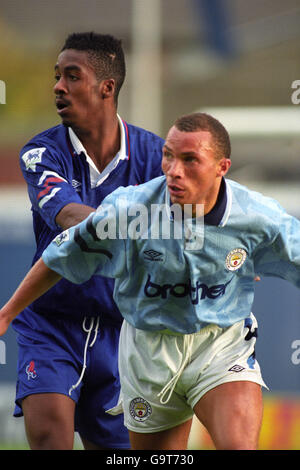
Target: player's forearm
(38, 280)
(72, 214)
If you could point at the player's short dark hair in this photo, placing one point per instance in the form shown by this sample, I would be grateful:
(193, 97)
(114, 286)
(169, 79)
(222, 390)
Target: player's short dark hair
(105, 54)
(205, 122)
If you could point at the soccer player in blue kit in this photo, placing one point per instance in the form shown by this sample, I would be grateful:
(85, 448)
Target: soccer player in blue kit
(68, 339)
(187, 344)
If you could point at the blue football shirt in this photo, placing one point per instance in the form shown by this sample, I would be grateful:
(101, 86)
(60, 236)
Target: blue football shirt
(58, 171)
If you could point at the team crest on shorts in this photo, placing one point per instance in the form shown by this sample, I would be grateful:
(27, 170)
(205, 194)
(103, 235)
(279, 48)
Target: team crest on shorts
(140, 409)
(30, 370)
(235, 259)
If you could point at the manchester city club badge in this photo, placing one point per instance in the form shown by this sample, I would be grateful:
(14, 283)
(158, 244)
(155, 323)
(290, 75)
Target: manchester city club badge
(140, 409)
(235, 259)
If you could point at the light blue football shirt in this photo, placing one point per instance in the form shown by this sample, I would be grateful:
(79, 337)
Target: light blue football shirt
(163, 281)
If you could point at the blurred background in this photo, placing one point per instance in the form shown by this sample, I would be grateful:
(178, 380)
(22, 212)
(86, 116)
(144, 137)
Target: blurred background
(236, 59)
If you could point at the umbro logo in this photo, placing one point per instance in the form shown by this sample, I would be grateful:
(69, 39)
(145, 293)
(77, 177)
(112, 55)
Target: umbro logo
(236, 368)
(76, 185)
(152, 255)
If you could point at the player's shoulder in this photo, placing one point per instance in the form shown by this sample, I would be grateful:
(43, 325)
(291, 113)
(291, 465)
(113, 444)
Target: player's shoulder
(141, 136)
(54, 136)
(250, 199)
(139, 194)
(51, 144)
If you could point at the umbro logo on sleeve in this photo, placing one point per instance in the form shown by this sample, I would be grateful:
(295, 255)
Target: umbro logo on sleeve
(152, 255)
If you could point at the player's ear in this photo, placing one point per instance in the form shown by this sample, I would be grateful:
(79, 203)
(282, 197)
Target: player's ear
(223, 166)
(107, 88)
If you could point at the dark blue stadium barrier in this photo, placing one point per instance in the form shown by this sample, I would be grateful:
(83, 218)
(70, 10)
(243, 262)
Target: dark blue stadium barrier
(277, 309)
(15, 261)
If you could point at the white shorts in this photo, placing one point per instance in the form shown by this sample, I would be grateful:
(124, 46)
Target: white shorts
(189, 366)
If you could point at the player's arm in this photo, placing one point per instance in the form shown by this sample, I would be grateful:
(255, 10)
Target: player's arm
(76, 254)
(38, 280)
(281, 257)
(72, 214)
(50, 189)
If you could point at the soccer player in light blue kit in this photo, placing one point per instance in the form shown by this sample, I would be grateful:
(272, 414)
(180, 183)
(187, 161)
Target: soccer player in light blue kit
(187, 344)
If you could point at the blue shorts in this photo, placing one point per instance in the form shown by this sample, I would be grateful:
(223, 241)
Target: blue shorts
(51, 359)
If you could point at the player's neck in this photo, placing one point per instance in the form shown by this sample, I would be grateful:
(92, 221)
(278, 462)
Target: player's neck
(102, 142)
(210, 199)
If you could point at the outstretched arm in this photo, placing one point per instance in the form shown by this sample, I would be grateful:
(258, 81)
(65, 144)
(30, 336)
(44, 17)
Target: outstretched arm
(37, 281)
(72, 214)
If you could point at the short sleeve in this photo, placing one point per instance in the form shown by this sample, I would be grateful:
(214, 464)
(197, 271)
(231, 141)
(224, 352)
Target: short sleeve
(281, 256)
(48, 183)
(89, 248)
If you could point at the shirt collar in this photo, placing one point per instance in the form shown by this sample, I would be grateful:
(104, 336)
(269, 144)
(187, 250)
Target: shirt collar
(79, 148)
(96, 177)
(219, 214)
(215, 215)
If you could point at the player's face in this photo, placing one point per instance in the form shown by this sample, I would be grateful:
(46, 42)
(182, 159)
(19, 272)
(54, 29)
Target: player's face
(192, 171)
(77, 91)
